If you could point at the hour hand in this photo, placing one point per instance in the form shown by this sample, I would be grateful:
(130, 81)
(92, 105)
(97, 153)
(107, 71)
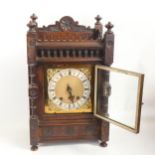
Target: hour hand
(69, 90)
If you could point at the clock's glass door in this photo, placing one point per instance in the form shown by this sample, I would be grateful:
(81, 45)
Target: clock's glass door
(118, 96)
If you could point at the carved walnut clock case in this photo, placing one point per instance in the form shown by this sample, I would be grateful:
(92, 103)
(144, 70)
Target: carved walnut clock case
(70, 82)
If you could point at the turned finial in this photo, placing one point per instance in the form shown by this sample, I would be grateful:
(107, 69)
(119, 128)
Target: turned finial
(32, 23)
(109, 26)
(98, 18)
(98, 26)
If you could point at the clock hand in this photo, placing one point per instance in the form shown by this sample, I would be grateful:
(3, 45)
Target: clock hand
(69, 90)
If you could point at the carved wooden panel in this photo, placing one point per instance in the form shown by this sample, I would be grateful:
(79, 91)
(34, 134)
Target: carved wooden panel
(66, 23)
(70, 131)
(64, 30)
(63, 36)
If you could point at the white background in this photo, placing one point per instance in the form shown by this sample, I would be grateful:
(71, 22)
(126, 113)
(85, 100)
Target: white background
(134, 29)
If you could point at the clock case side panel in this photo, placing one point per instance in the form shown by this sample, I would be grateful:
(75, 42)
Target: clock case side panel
(33, 89)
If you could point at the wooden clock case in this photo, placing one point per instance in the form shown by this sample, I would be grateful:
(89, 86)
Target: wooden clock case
(65, 42)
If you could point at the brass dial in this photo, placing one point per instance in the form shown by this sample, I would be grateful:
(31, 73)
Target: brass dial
(69, 89)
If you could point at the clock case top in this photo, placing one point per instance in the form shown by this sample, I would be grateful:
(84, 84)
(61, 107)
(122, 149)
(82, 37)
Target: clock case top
(54, 44)
(65, 42)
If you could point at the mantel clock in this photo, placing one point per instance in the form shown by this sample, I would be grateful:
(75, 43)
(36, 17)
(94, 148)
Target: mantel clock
(73, 92)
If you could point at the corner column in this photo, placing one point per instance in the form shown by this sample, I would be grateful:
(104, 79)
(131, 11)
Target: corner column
(33, 86)
(108, 41)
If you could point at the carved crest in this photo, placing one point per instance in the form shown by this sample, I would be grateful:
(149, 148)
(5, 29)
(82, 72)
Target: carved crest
(66, 23)
(66, 29)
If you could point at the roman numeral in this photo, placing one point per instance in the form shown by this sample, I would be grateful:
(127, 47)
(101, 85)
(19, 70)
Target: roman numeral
(69, 106)
(60, 103)
(54, 97)
(51, 89)
(84, 80)
(69, 72)
(60, 74)
(84, 97)
(53, 81)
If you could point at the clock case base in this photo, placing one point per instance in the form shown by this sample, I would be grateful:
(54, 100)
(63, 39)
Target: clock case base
(84, 128)
(65, 126)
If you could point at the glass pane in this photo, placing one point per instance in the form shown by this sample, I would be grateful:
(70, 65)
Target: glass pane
(118, 96)
(123, 98)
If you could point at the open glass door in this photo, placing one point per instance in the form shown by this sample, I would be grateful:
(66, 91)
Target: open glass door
(118, 96)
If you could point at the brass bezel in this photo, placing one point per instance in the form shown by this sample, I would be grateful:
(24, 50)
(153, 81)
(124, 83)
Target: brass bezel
(139, 97)
(88, 108)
